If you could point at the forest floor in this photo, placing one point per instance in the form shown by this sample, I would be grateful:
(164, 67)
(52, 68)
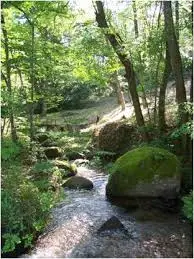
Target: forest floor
(108, 111)
(78, 124)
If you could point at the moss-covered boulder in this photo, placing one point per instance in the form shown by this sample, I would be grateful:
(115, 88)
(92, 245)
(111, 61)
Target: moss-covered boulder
(145, 172)
(67, 169)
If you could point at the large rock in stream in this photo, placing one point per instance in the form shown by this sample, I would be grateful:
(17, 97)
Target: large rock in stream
(112, 223)
(145, 172)
(78, 182)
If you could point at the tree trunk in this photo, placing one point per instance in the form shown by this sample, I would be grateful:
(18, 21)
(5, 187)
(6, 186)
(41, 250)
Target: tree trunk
(177, 19)
(156, 89)
(175, 58)
(31, 117)
(118, 48)
(191, 88)
(120, 93)
(113, 83)
(135, 19)
(143, 96)
(161, 107)
(8, 79)
(122, 99)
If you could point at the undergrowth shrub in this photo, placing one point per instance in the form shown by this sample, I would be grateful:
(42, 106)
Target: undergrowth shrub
(25, 206)
(188, 206)
(46, 176)
(103, 159)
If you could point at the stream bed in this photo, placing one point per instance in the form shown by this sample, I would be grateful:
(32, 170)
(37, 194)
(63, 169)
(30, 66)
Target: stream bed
(73, 230)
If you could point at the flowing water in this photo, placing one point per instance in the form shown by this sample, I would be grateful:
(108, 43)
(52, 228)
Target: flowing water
(72, 232)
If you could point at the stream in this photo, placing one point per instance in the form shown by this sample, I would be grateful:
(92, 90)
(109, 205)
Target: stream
(72, 232)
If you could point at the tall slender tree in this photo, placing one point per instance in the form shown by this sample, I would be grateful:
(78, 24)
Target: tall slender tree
(32, 65)
(135, 19)
(117, 44)
(175, 59)
(8, 77)
(177, 19)
(163, 86)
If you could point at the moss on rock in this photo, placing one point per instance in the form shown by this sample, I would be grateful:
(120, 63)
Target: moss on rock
(143, 168)
(68, 169)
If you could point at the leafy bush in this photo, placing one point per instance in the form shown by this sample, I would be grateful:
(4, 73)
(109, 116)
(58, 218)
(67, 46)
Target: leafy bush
(187, 63)
(10, 150)
(160, 142)
(25, 209)
(188, 206)
(96, 162)
(25, 204)
(184, 129)
(103, 159)
(42, 167)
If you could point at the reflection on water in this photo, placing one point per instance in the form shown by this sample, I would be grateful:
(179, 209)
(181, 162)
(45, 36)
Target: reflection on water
(73, 229)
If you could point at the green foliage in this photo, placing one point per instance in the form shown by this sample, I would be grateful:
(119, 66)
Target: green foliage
(25, 209)
(43, 166)
(10, 150)
(187, 64)
(25, 206)
(75, 93)
(188, 206)
(184, 129)
(72, 63)
(96, 162)
(103, 159)
(46, 176)
(11, 240)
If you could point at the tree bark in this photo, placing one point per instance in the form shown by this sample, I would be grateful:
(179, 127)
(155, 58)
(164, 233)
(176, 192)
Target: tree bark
(135, 19)
(31, 118)
(8, 79)
(175, 58)
(156, 89)
(115, 41)
(161, 107)
(113, 83)
(120, 94)
(191, 87)
(177, 19)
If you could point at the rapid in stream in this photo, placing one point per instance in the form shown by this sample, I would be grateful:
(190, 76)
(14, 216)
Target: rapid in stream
(72, 232)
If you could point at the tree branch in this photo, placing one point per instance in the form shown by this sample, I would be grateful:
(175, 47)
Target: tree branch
(21, 10)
